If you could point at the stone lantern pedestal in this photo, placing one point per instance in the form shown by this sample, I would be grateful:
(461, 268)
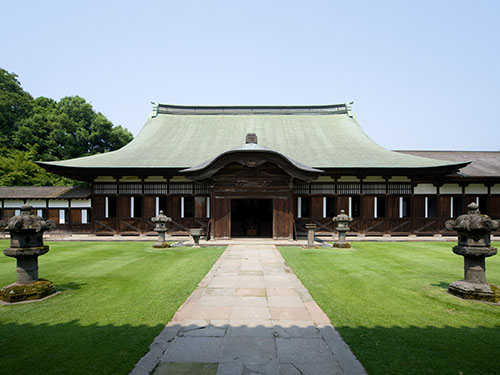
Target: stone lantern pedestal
(342, 228)
(474, 231)
(26, 241)
(161, 227)
(311, 228)
(196, 234)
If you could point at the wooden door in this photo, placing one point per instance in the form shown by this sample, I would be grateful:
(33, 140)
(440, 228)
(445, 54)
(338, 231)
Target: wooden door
(367, 206)
(200, 207)
(317, 207)
(98, 206)
(123, 206)
(342, 204)
(222, 218)
(76, 215)
(444, 206)
(282, 218)
(393, 206)
(174, 206)
(418, 206)
(149, 207)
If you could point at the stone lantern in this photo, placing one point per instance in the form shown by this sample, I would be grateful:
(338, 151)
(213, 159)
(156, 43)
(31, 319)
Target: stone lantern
(161, 227)
(26, 245)
(474, 231)
(342, 221)
(311, 228)
(196, 234)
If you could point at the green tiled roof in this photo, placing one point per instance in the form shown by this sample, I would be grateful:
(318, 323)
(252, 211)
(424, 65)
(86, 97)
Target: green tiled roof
(317, 136)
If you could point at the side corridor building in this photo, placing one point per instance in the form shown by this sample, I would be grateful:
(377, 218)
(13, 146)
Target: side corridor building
(266, 171)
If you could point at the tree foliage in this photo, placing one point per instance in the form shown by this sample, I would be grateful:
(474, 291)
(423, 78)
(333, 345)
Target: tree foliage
(44, 129)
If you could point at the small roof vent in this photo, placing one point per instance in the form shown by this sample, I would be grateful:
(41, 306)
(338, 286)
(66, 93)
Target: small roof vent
(251, 138)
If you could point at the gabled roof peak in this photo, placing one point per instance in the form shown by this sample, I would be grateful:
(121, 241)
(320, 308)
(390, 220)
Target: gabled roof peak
(327, 109)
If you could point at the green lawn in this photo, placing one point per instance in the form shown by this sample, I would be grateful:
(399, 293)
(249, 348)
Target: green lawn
(116, 297)
(389, 303)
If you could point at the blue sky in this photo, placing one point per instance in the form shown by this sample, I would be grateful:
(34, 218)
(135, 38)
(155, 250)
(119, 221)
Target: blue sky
(423, 75)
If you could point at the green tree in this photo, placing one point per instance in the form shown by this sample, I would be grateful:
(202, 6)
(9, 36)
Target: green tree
(15, 104)
(18, 169)
(44, 129)
(67, 129)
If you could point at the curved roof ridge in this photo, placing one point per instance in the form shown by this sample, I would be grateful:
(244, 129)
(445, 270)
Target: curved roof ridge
(172, 109)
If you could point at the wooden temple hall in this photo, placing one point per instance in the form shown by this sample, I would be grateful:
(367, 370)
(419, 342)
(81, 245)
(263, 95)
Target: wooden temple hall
(266, 171)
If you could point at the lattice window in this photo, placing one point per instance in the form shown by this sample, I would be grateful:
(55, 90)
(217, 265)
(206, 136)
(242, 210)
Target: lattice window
(373, 188)
(156, 189)
(348, 188)
(322, 188)
(399, 189)
(201, 189)
(301, 189)
(105, 189)
(180, 188)
(130, 188)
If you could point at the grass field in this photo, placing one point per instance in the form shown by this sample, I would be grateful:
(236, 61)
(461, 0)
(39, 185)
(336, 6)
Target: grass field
(389, 303)
(115, 298)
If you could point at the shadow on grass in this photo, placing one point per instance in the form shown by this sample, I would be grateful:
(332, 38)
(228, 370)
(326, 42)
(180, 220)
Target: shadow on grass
(441, 284)
(72, 348)
(69, 286)
(426, 350)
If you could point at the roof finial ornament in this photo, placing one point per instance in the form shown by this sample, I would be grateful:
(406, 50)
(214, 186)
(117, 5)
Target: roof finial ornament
(251, 138)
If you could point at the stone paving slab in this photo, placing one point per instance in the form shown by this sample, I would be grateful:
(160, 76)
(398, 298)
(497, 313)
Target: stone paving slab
(249, 315)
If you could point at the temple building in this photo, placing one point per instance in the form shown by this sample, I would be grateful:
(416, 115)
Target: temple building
(266, 171)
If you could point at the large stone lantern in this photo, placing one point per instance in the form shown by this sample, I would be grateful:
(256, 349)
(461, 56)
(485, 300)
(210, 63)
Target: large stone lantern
(161, 227)
(474, 231)
(26, 245)
(342, 228)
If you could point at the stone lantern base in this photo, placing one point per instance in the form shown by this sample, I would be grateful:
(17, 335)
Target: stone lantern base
(475, 291)
(19, 292)
(161, 245)
(342, 245)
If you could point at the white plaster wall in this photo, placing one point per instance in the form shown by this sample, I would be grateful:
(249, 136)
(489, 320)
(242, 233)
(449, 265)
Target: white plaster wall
(423, 189)
(348, 179)
(155, 179)
(476, 189)
(13, 203)
(373, 179)
(495, 189)
(399, 179)
(58, 203)
(37, 203)
(324, 179)
(104, 179)
(130, 179)
(450, 189)
(80, 203)
(178, 179)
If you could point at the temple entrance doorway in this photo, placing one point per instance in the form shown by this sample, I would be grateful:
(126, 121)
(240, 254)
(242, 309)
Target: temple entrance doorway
(251, 217)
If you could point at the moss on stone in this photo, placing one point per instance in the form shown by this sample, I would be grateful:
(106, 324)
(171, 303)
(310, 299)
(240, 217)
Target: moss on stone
(18, 292)
(342, 245)
(162, 245)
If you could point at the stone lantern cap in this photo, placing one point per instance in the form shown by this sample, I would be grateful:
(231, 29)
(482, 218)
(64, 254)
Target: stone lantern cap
(474, 231)
(161, 222)
(342, 219)
(27, 229)
(473, 221)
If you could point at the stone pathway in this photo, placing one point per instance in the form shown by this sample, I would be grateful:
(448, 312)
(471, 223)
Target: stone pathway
(249, 315)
